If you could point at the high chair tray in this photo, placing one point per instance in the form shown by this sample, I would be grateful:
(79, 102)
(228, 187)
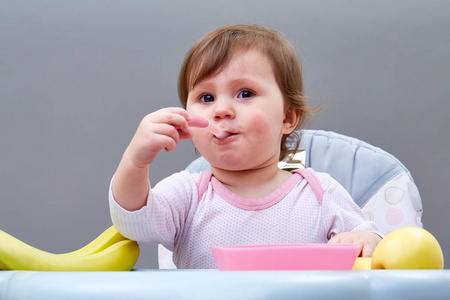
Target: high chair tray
(214, 284)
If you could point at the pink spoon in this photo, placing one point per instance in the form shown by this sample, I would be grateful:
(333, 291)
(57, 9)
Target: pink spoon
(200, 122)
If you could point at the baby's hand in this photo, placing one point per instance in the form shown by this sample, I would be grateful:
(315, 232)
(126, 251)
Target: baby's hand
(365, 239)
(157, 131)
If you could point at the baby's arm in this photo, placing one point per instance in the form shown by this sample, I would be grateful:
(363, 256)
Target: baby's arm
(367, 240)
(156, 132)
(349, 224)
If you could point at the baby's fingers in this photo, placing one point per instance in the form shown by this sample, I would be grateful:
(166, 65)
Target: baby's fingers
(369, 246)
(367, 241)
(167, 142)
(177, 119)
(367, 250)
(342, 238)
(334, 240)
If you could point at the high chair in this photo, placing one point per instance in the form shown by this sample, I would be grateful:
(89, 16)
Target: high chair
(378, 182)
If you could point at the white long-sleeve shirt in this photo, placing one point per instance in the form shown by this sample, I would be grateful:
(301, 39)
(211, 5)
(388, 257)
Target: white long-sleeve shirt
(175, 217)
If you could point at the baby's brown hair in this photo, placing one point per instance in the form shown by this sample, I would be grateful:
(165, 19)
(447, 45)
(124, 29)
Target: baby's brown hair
(212, 53)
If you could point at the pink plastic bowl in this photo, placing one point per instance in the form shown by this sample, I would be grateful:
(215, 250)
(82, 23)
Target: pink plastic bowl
(286, 257)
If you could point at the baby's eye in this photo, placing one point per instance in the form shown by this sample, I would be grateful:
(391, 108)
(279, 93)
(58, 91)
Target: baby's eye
(245, 94)
(206, 98)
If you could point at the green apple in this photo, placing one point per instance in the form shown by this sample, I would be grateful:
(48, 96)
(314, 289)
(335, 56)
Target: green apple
(362, 263)
(408, 248)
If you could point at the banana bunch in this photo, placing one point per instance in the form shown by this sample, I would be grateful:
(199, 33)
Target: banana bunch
(110, 251)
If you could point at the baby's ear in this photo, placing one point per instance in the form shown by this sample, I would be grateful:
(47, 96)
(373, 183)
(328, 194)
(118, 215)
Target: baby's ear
(291, 119)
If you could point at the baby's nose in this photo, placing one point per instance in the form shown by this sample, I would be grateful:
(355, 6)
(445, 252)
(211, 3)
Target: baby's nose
(224, 109)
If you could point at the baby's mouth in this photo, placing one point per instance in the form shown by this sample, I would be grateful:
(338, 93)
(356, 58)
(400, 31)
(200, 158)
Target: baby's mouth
(222, 134)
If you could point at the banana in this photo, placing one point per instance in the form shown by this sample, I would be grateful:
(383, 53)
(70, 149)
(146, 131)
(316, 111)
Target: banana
(3, 266)
(109, 237)
(17, 255)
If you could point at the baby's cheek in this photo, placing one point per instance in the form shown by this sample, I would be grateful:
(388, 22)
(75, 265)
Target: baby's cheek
(258, 123)
(264, 125)
(197, 140)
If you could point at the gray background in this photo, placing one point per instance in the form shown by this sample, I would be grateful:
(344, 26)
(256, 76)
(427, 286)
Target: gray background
(76, 78)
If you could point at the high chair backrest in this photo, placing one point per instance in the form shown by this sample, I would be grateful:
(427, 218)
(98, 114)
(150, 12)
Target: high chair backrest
(377, 181)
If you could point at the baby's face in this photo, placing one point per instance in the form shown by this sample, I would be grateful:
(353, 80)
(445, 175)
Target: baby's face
(245, 101)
